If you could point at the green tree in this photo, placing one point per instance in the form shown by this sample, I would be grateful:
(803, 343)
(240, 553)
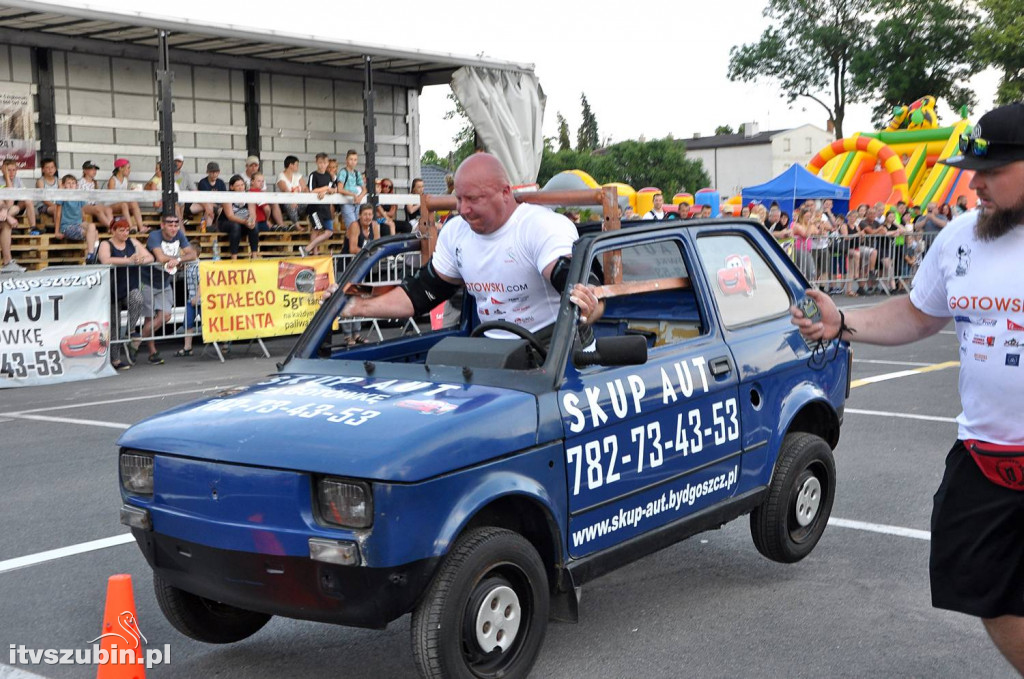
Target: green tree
(564, 143)
(465, 138)
(918, 49)
(661, 162)
(553, 162)
(430, 157)
(586, 136)
(999, 41)
(807, 49)
(723, 129)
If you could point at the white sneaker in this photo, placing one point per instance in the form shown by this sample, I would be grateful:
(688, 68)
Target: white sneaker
(302, 251)
(12, 267)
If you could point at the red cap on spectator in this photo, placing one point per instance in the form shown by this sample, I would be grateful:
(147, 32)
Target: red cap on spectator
(120, 162)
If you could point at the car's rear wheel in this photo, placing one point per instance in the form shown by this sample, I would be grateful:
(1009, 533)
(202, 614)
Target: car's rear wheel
(486, 611)
(793, 516)
(204, 619)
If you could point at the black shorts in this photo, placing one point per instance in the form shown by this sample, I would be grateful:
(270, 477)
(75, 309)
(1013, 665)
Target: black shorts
(977, 546)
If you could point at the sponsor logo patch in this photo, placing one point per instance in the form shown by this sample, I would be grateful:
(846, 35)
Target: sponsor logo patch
(1012, 342)
(985, 321)
(1013, 360)
(981, 357)
(962, 319)
(1010, 325)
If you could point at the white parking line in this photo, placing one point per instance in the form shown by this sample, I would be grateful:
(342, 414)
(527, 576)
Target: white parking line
(913, 364)
(881, 528)
(61, 552)
(69, 420)
(53, 554)
(160, 394)
(908, 416)
(929, 367)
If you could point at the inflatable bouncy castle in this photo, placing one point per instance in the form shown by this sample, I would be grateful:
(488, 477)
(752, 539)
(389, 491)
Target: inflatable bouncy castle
(901, 161)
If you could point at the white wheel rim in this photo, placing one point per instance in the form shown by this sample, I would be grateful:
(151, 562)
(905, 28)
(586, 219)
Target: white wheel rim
(808, 501)
(497, 619)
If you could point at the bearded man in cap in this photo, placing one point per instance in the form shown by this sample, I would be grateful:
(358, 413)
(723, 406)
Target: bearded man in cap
(972, 271)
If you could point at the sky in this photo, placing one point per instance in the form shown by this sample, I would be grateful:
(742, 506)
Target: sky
(650, 70)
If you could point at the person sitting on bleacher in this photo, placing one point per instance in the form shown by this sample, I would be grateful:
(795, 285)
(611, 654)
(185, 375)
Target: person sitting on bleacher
(156, 183)
(386, 213)
(48, 180)
(237, 216)
(7, 222)
(103, 213)
(291, 181)
(119, 182)
(67, 217)
(258, 184)
(271, 211)
(211, 182)
(15, 208)
(129, 258)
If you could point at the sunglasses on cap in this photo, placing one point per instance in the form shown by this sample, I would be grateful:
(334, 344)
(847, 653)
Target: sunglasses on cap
(979, 146)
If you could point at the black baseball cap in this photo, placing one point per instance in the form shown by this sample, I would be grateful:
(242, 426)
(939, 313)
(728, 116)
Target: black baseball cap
(89, 165)
(997, 140)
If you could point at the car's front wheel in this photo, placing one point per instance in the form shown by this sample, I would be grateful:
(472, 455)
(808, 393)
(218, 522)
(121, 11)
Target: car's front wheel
(486, 610)
(793, 516)
(204, 619)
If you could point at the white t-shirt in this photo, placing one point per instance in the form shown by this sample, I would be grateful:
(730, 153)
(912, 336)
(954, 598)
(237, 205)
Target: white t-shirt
(981, 285)
(653, 214)
(503, 270)
(292, 183)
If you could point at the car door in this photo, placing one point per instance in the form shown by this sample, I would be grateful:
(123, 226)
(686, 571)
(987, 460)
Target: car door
(651, 444)
(752, 292)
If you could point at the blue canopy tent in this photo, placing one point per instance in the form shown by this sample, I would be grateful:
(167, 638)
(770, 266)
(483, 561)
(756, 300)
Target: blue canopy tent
(794, 186)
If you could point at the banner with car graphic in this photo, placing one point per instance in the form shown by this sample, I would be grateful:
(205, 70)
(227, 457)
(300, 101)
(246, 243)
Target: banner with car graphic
(248, 299)
(54, 326)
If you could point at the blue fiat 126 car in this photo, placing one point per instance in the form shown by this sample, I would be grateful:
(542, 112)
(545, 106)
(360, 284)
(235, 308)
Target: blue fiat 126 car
(477, 483)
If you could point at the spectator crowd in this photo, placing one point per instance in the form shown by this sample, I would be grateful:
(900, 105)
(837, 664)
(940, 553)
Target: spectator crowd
(82, 221)
(873, 249)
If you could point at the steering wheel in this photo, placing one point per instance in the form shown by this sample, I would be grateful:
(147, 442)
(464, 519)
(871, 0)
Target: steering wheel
(517, 330)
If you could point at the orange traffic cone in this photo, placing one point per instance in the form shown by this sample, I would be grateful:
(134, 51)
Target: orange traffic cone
(121, 654)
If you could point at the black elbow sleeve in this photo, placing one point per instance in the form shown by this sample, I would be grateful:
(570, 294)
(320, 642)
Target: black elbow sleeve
(560, 273)
(426, 289)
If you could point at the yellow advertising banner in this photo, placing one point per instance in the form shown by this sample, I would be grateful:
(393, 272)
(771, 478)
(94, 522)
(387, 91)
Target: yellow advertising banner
(246, 299)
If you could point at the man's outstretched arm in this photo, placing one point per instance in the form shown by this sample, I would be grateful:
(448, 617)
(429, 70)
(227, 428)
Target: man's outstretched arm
(896, 321)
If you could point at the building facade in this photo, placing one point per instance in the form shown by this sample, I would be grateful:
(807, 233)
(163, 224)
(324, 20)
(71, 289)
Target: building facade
(752, 157)
(235, 92)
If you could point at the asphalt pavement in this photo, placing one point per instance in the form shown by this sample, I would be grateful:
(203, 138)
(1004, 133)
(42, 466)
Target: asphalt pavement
(711, 606)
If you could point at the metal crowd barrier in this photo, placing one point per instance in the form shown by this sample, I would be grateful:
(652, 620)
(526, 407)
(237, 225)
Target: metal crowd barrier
(882, 264)
(139, 291)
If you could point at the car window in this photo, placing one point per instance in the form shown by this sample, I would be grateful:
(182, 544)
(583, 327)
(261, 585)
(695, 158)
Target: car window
(744, 284)
(655, 298)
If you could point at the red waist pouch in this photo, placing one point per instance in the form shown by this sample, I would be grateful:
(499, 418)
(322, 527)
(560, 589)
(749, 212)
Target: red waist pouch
(1002, 465)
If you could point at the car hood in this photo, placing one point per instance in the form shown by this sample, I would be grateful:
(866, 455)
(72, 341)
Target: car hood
(361, 427)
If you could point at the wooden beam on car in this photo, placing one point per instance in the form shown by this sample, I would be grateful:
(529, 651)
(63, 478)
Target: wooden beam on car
(636, 287)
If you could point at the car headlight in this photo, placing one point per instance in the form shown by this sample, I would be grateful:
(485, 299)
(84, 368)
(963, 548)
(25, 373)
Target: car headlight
(345, 503)
(137, 473)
